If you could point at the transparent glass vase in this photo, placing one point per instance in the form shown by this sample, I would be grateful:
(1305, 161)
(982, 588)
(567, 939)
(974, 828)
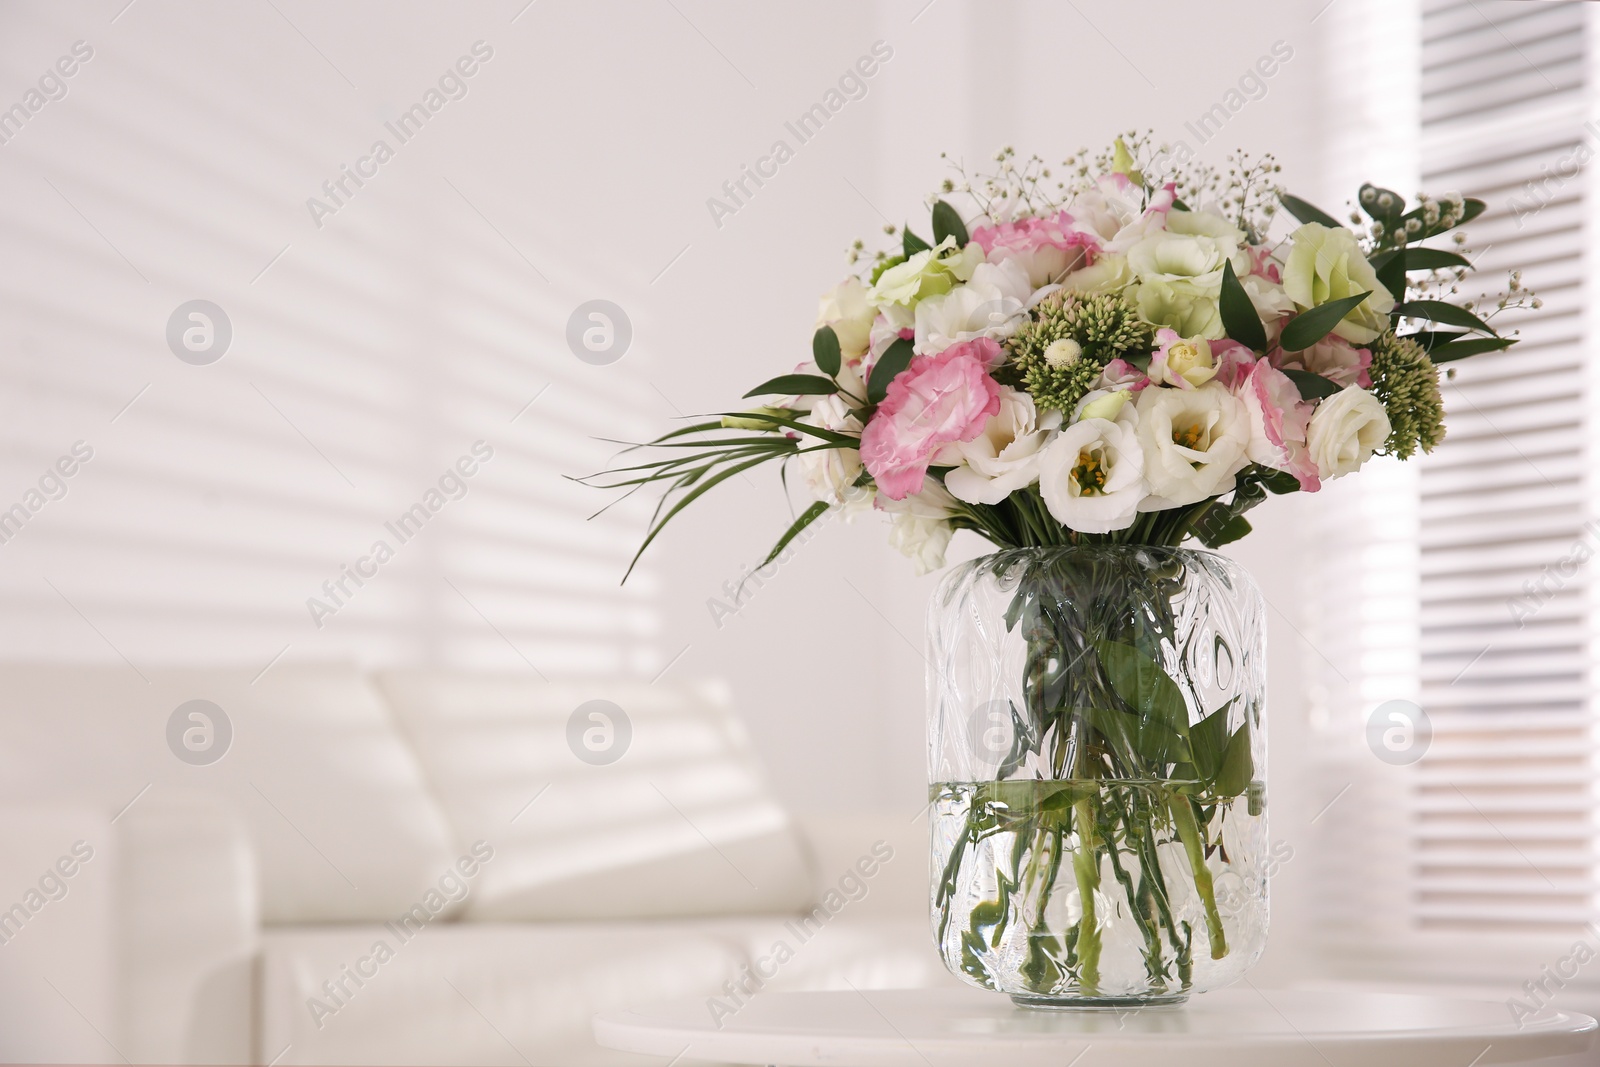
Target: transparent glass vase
(1096, 757)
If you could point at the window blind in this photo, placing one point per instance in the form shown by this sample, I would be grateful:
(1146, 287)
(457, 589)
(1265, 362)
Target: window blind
(1473, 596)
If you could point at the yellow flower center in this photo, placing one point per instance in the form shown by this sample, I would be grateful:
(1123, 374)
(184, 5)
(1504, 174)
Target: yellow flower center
(1090, 473)
(1190, 436)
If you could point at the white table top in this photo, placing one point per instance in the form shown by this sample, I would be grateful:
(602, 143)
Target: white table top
(1236, 1027)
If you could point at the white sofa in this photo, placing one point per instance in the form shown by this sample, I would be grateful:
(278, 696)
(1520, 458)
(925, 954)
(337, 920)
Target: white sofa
(408, 867)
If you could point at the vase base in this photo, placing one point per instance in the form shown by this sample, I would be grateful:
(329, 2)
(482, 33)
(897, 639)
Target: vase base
(1084, 1003)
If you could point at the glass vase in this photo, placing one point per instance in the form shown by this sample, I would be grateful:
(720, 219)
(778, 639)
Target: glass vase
(1096, 757)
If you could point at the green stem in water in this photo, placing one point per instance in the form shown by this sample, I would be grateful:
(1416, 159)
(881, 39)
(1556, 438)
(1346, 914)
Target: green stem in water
(1183, 821)
(1086, 870)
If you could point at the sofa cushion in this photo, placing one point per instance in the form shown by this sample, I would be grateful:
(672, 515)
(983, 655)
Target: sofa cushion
(341, 823)
(682, 823)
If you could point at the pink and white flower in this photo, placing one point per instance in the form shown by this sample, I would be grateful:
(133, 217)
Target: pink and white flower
(1332, 357)
(1278, 422)
(936, 401)
(1047, 248)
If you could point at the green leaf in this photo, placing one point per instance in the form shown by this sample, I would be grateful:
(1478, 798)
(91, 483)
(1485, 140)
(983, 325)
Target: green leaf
(1431, 339)
(1277, 481)
(825, 351)
(947, 223)
(1145, 740)
(1208, 740)
(1442, 311)
(1311, 326)
(1369, 199)
(794, 385)
(1432, 259)
(1472, 208)
(1224, 533)
(911, 244)
(896, 359)
(1472, 347)
(1306, 212)
(1392, 275)
(1239, 316)
(1144, 686)
(1311, 386)
(807, 517)
(1238, 766)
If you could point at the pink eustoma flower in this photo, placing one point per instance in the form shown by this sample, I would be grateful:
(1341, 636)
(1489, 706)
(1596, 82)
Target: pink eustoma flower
(1278, 422)
(935, 401)
(1047, 247)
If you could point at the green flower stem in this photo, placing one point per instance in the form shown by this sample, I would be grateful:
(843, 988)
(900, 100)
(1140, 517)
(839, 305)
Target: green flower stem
(1183, 821)
(1086, 870)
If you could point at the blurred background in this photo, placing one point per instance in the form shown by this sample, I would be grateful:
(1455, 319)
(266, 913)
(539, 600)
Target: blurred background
(380, 325)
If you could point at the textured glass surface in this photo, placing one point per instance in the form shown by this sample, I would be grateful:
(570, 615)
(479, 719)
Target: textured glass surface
(1096, 759)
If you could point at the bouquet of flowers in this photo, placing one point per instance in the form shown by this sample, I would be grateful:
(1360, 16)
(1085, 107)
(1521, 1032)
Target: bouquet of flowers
(1087, 372)
(1115, 359)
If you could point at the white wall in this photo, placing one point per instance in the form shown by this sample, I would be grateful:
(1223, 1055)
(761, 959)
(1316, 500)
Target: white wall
(425, 314)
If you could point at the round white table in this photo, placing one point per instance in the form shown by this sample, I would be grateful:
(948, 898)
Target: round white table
(1237, 1027)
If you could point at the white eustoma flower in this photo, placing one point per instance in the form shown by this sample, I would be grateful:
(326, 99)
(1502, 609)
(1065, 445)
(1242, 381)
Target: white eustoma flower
(993, 304)
(830, 474)
(1005, 456)
(1179, 271)
(1345, 430)
(1194, 442)
(1326, 264)
(919, 526)
(1091, 474)
(930, 272)
(846, 308)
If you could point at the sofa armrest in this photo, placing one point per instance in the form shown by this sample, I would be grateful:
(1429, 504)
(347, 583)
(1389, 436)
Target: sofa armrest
(189, 916)
(885, 852)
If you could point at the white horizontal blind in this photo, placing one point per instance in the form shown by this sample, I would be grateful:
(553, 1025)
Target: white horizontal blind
(1502, 814)
(1476, 860)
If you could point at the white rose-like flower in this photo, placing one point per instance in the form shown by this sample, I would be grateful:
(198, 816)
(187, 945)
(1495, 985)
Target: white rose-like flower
(1091, 476)
(1005, 456)
(993, 304)
(1345, 430)
(919, 527)
(1326, 264)
(930, 272)
(1194, 442)
(847, 309)
(1179, 271)
(1107, 274)
(830, 474)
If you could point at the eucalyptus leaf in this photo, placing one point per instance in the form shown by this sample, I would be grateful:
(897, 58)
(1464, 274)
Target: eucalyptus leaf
(1238, 766)
(947, 223)
(1223, 533)
(1471, 347)
(910, 243)
(825, 351)
(1239, 316)
(1305, 212)
(1144, 686)
(1442, 311)
(1309, 327)
(894, 360)
(1138, 740)
(1208, 740)
(1277, 481)
(794, 385)
(1311, 386)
